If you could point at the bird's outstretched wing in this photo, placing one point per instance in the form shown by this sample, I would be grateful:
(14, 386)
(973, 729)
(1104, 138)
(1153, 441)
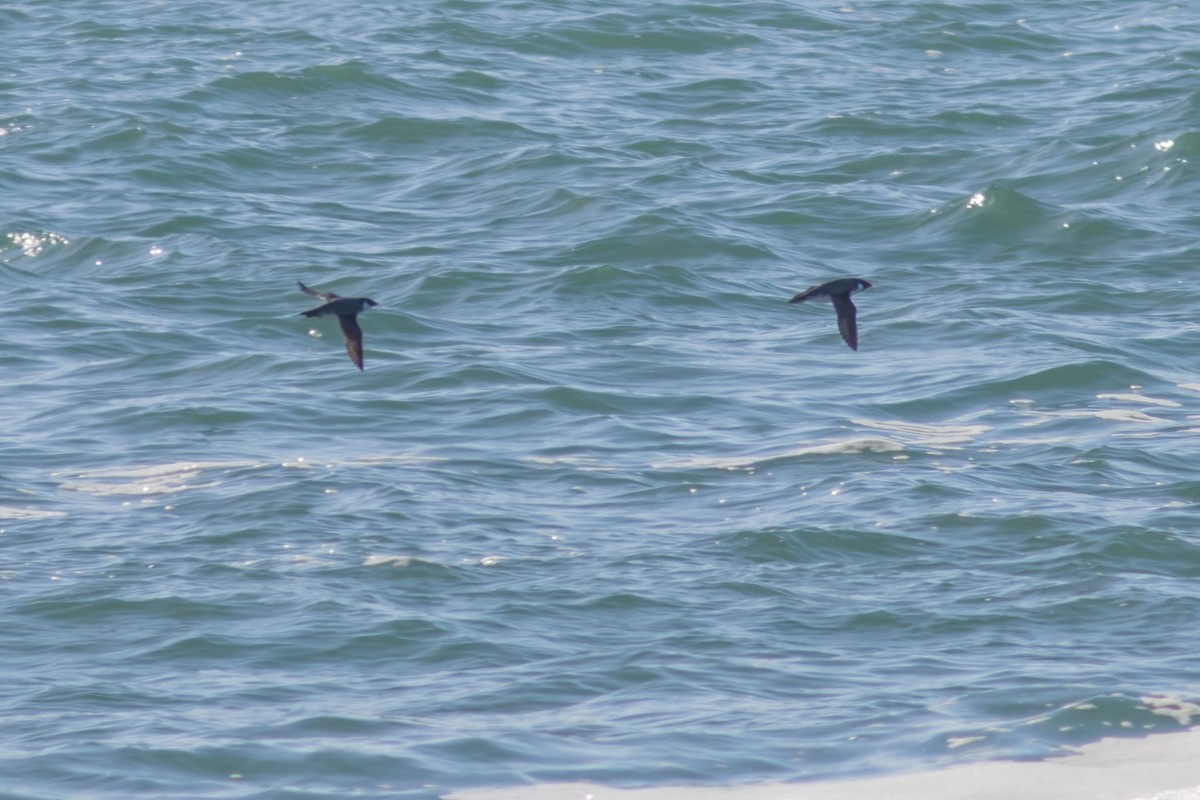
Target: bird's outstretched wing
(847, 316)
(807, 293)
(324, 295)
(353, 335)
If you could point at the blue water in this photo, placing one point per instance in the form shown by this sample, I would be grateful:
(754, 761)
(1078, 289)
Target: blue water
(603, 505)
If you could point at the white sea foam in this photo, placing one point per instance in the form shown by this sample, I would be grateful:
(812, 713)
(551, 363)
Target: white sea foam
(387, 560)
(181, 476)
(1139, 398)
(1163, 767)
(148, 480)
(155, 479)
(1113, 414)
(845, 447)
(11, 512)
(946, 434)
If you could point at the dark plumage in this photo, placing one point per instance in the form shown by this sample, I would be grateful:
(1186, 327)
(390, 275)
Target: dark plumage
(347, 310)
(838, 292)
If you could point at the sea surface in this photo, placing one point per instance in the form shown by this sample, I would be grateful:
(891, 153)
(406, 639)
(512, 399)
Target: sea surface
(603, 505)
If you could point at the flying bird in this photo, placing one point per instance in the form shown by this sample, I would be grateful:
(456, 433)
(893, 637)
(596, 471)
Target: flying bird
(838, 292)
(347, 310)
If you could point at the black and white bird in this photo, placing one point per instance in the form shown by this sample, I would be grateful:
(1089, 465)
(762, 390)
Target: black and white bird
(347, 310)
(838, 292)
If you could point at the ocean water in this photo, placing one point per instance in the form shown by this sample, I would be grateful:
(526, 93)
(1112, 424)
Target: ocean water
(602, 506)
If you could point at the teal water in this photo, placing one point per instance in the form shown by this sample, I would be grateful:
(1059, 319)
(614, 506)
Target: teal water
(603, 506)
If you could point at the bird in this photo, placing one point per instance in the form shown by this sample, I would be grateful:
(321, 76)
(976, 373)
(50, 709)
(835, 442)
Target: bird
(838, 292)
(347, 310)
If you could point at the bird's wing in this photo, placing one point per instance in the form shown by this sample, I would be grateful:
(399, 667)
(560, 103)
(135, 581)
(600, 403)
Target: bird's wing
(353, 338)
(318, 311)
(800, 298)
(847, 316)
(326, 295)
